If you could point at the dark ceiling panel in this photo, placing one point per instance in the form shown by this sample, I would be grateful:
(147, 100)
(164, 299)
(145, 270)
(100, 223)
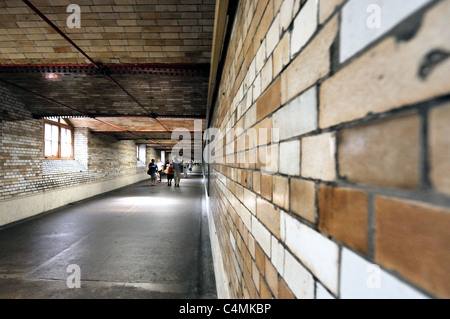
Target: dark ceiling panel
(148, 68)
(95, 95)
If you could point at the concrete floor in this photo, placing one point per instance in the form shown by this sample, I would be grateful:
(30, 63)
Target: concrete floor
(136, 242)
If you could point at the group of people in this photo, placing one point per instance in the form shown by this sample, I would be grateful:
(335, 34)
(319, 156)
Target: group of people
(172, 169)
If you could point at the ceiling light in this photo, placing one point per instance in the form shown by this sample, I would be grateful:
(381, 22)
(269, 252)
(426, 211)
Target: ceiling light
(51, 76)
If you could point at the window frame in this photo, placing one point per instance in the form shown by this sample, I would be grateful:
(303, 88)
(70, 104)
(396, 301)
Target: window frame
(138, 155)
(60, 126)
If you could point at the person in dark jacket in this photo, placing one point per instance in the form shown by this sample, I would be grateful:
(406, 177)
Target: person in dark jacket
(152, 170)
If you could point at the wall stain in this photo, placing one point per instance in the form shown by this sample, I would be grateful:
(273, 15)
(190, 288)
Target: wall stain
(431, 61)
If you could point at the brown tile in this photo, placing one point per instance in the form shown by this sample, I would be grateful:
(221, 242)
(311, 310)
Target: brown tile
(264, 25)
(439, 143)
(249, 179)
(303, 198)
(326, 8)
(271, 277)
(413, 239)
(269, 101)
(264, 131)
(343, 214)
(385, 153)
(383, 78)
(264, 290)
(269, 215)
(260, 259)
(257, 182)
(280, 194)
(281, 55)
(266, 186)
(247, 258)
(283, 291)
(310, 65)
(243, 179)
(248, 282)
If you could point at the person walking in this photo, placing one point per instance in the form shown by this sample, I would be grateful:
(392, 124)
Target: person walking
(185, 169)
(152, 170)
(178, 167)
(170, 173)
(160, 168)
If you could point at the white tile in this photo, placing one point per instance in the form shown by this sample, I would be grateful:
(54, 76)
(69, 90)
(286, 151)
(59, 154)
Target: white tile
(245, 215)
(240, 94)
(252, 72)
(305, 24)
(299, 116)
(269, 156)
(267, 74)
(296, 6)
(250, 117)
(319, 254)
(257, 88)
(277, 256)
(250, 200)
(262, 235)
(318, 157)
(361, 279)
(286, 11)
(233, 241)
(229, 148)
(273, 36)
(251, 245)
(260, 57)
(283, 216)
(322, 293)
(359, 22)
(249, 101)
(290, 158)
(298, 279)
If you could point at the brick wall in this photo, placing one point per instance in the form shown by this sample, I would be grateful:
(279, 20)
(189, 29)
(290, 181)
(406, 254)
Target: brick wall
(20, 147)
(350, 199)
(24, 171)
(80, 149)
(152, 154)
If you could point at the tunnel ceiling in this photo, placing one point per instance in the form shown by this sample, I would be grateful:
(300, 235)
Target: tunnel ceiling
(135, 69)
